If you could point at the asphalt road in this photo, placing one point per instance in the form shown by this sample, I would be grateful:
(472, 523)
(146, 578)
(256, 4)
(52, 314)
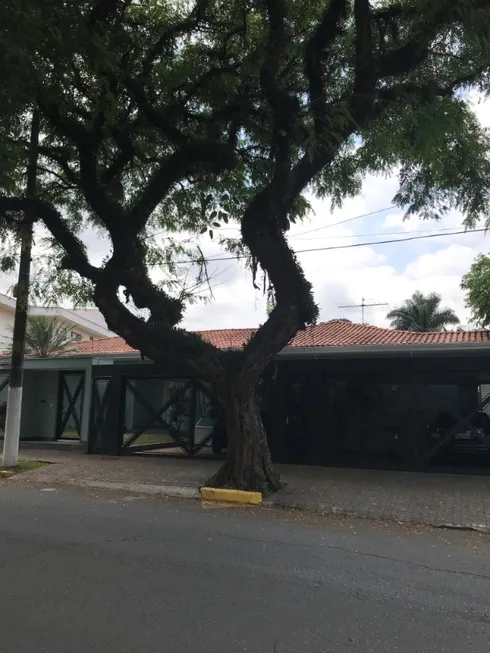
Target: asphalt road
(112, 575)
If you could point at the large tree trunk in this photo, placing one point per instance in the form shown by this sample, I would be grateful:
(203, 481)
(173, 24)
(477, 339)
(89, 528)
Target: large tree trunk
(248, 465)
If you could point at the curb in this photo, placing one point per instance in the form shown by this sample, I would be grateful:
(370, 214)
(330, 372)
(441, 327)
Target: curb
(244, 498)
(369, 515)
(142, 488)
(231, 496)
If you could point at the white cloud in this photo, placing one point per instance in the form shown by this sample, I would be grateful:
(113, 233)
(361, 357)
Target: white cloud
(396, 220)
(378, 273)
(452, 260)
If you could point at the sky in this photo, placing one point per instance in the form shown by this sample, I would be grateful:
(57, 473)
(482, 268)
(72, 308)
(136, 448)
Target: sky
(386, 273)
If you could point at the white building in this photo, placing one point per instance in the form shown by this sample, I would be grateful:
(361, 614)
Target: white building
(84, 324)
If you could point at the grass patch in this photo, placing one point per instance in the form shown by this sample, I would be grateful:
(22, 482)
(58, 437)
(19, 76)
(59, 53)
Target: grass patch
(22, 466)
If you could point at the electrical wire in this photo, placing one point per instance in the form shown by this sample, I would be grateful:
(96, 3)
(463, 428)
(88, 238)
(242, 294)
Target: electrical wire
(302, 233)
(381, 233)
(350, 246)
(335, 224)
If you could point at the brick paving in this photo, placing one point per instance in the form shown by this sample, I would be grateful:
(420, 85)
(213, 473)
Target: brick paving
(436, 499)
(451, 500)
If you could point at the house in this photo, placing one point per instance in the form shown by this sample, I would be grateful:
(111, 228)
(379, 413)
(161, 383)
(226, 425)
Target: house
(84, 324)
(339, 393)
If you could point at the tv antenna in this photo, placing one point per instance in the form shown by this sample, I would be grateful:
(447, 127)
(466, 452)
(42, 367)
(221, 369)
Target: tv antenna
(362, 306)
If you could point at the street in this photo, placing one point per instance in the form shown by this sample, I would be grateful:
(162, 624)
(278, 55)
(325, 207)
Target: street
(117, 574)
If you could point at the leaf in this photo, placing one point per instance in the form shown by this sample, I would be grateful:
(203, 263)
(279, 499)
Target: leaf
(211, 234)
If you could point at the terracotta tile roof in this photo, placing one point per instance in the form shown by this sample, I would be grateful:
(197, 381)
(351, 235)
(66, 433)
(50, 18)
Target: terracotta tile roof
(338, 333)
(335, 333)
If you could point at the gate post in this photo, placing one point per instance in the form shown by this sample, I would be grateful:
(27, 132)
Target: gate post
(192, 418)
(113, 425)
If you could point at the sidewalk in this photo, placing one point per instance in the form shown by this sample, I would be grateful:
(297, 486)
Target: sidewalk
(440, 500)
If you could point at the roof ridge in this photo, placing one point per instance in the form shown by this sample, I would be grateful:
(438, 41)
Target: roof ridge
(228, 329)
(390, 330)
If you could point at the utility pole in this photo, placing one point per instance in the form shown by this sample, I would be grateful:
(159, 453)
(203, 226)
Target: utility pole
(362, 306)
(14, 400)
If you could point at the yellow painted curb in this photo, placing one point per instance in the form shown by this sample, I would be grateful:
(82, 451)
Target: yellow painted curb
(232, 496)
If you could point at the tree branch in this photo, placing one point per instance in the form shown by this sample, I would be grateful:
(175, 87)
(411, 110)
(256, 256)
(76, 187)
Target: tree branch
(106, 10)
(88, 181)
(279, 101)
(96, 196)
(60, 156)
(210, 74)
(316, 52)
(127, 151)
(364, 76)
(64, 184)
(408, 56)
(155, 115)
(216, 156)
(425, 93)
(76, 255)
(173, 32)
(158, 338)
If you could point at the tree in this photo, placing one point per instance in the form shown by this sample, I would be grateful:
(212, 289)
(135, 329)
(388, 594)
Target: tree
(422, 313)
(183, 116)
(46, 337)
(476, 284)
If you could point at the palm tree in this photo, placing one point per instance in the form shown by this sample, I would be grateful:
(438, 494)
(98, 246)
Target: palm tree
(45, 337)
(422, 313)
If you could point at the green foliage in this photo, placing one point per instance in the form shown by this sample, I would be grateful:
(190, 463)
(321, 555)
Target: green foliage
(476, 284)
(46, 337)
(422, 313)
(126, 89)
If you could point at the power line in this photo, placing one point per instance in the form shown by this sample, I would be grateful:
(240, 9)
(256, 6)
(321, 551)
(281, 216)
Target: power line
(350, 246)
(302, 233)
(335, 224)
(384, 233)
(449, 231)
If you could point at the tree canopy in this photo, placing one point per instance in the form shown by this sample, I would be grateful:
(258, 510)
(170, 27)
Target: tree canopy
(476, 284)
(182, 116)
(422, 313)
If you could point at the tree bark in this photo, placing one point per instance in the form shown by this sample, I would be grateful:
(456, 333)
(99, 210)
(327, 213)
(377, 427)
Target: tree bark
(248, 465)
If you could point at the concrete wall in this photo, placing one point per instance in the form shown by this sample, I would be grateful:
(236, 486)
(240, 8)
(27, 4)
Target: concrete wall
(79, 331)
(6, 326)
